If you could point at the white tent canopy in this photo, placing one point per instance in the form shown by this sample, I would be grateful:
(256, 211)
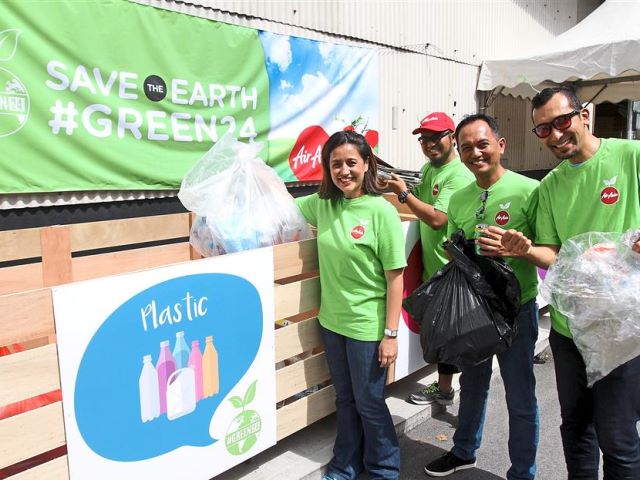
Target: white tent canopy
(602, 51)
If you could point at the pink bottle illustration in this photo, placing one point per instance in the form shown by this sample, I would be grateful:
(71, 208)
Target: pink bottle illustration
(148, 386)
(195, 362)
(210, 377)
(165, 367)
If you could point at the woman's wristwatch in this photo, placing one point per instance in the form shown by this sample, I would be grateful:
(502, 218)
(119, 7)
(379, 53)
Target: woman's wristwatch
(390, 333)
(402, 196)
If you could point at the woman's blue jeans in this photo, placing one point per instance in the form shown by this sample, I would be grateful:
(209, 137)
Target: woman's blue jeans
(516, 368)
(366, 437)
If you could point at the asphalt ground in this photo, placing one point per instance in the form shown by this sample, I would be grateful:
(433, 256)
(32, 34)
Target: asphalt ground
(433, 438)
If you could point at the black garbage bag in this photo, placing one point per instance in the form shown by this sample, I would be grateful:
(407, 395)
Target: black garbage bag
(467, 310)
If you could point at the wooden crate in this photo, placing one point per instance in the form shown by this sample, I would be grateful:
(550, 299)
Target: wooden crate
(32, 444)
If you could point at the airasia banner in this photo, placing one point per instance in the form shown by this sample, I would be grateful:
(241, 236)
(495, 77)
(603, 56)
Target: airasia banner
(131, 102)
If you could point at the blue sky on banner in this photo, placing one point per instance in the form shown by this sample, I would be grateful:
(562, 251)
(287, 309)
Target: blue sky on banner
(318, 83)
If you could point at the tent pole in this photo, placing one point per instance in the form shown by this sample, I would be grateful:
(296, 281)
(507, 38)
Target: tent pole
(629, 119)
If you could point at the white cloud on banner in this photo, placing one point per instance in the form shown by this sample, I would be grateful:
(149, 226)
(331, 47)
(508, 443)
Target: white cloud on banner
(284, 85)
(278, 50)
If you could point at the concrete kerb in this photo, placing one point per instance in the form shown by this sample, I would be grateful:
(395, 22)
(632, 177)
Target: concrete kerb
(305, 454)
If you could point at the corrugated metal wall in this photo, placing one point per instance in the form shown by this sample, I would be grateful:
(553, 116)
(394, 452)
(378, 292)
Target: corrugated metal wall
(429, 50)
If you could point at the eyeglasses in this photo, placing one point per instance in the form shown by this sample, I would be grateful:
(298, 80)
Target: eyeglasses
(434, 138)
(483, 205)
(561, 122)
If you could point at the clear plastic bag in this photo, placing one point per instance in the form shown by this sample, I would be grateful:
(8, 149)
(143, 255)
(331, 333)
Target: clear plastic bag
(595, 282)
(240, 202)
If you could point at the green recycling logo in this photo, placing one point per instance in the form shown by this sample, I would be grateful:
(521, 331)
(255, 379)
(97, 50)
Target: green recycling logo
(14, 98)
(244, 429)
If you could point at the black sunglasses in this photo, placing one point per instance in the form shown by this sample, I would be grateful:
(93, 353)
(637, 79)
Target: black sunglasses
(483, 205)
(434, 138)
(561, 122)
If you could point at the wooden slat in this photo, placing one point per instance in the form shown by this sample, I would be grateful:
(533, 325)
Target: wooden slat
(303, 412)
(113, 233)
(294, 298)
(29, 373)
(56, 469)
(94, 266)
(19, 244)
(297, 338)
(401, 207)
(55, 243)
(32, 433)
(26, 316)
(294, 258)
(20, 278)
(301, 375)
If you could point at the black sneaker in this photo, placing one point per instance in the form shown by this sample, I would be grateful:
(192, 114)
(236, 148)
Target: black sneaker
(447, 464)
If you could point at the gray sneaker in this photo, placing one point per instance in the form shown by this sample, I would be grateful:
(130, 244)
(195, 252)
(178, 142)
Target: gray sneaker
(431, 393)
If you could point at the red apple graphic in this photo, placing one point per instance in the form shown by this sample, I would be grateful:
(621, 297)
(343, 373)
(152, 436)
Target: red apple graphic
(412, 277)
(357, 232)
(349, 128)
(609, 195)
(372, 138)
(436, 190)
(305, 156)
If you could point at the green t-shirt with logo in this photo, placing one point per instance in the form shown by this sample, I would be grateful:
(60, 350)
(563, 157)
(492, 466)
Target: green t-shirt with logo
(512, 203)
(436, 188)
(358, 240)
(599, 195)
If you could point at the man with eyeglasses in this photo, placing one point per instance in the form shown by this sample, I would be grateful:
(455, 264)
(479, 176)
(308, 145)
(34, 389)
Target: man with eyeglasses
(594, 188)
(497, 197)
(441, 177)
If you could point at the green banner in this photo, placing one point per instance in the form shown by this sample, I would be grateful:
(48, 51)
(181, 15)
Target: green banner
(113, 95)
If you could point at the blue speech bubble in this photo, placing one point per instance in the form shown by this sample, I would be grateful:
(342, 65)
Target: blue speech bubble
(107, 401)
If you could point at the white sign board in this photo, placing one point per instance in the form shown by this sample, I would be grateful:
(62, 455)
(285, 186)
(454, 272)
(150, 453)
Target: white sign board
(168, 373)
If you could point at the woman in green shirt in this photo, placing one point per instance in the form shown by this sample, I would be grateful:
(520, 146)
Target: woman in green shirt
(361, 257)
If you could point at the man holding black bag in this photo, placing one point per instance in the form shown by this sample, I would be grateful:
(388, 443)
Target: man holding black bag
(497, 197)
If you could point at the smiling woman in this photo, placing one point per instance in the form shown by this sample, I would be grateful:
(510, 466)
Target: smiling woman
(361, 258)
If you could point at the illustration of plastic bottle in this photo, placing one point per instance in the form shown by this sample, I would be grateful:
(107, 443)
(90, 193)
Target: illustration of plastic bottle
(165, 367)
(195, 362)
(181, 351)
(210, 377)
(149, 393)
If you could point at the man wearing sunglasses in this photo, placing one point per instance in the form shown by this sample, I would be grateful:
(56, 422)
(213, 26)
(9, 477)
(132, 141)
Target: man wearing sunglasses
(441, 177)
(497, 197)
(594, 188)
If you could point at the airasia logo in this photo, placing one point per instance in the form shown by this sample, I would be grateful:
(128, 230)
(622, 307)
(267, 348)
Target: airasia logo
(357, 232)
(436, 190)
(502, 217)
(609, 194)
(305, 158)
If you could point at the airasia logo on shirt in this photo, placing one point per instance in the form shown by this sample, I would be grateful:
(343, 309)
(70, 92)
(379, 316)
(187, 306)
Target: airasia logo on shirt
(436, 190)
(609, 194)
(359, 230)
(502, 217)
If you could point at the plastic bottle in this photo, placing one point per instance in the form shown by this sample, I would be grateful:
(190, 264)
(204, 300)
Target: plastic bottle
(195, 362)
(210, 377)
(149, 393)
(165, 367)
(181, 351)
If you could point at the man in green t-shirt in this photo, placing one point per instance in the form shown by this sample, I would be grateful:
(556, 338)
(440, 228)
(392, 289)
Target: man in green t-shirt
(505, 198)
(442, 175)
(594, 188)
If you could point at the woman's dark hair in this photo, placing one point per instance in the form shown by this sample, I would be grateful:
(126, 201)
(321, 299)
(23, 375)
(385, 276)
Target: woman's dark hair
(328, 189)
(545, 95)
(488, 119)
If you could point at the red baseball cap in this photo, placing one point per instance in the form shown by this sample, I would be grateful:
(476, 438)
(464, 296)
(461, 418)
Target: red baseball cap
(435, 122)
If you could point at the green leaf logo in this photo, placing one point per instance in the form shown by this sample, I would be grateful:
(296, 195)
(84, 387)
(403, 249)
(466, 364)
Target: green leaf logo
(8, 43)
